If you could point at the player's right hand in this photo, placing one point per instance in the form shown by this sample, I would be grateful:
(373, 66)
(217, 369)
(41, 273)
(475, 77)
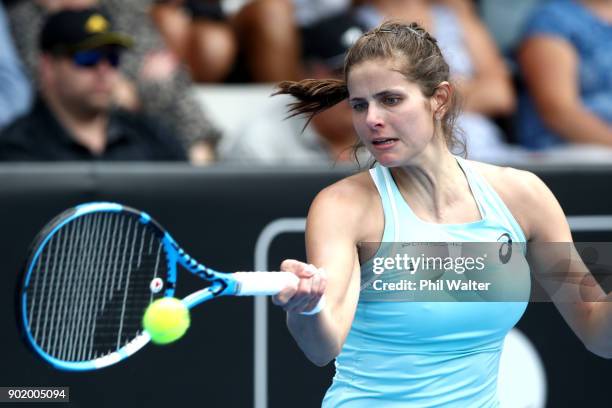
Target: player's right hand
(310, 289)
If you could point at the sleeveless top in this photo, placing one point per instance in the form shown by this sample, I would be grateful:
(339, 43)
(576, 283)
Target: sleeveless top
(430, 354)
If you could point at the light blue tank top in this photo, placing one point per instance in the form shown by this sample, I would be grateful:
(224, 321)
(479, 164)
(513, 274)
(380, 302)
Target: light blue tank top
(429, 354)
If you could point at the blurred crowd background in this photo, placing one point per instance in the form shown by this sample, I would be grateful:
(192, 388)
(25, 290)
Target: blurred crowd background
(190, 80)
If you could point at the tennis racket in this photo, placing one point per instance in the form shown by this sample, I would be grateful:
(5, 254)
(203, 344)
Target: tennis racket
(93, 271)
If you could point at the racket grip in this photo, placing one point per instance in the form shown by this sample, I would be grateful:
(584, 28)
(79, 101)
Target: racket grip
(263, 283)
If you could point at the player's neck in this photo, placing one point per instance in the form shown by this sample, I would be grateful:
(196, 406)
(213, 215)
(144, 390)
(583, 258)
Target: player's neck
(434, 181)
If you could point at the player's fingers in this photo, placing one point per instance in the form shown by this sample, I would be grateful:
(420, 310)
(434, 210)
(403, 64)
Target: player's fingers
(300, 269)
(313, 299)
(307, 271)
(291, 265)
(319, 283)
(323, 285)
(285, 295)
(297, 305)
(301, 296)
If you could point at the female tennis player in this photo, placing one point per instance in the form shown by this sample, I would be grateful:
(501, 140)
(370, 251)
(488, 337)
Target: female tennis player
(399, 354)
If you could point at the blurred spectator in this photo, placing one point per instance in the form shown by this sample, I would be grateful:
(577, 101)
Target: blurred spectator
(271, 139)
(15, 93)
(566, 63)
(72, 117)
(152, 79)
(476, 66)
(504, 20)
(309, 12)
(216, 40)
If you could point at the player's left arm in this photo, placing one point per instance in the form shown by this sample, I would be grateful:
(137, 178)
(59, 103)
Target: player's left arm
(584, 305)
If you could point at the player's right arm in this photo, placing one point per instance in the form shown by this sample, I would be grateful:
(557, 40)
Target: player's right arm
(334, 227)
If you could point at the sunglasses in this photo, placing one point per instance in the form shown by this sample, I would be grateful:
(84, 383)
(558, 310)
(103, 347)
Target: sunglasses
(91, 58)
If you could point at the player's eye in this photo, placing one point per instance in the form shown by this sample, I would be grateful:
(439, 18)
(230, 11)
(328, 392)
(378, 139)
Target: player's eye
(391, 100)
(359, 106)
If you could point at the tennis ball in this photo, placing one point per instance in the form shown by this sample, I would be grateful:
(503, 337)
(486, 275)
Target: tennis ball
(166, 320)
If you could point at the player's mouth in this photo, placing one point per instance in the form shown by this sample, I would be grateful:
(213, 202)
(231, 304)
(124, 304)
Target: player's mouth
(384, 143)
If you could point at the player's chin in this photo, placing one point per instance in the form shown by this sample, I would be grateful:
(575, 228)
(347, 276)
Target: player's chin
(388, 159)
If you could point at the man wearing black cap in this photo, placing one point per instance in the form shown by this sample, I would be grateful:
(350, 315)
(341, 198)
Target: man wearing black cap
(73, 118)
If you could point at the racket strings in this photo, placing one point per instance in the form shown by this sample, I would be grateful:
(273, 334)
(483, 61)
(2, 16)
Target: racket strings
(90, 285)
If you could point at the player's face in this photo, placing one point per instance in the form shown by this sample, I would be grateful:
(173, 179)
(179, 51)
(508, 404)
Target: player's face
(391, 115)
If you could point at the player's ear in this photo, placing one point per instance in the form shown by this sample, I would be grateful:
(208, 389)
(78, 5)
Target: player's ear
(441, 99)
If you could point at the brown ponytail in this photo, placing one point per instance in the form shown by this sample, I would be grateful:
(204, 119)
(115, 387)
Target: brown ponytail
(313, 95)
(421, 62)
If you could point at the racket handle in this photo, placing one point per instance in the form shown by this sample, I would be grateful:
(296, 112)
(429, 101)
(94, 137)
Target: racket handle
(263, 283)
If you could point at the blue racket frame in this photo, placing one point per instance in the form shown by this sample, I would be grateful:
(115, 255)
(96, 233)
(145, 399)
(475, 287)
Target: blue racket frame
(222, 284)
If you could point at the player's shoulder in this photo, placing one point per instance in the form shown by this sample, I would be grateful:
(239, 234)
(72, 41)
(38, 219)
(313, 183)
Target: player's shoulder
(523, 192)
(510, 182)
(350, 207)
(350, 196)
(350, 189)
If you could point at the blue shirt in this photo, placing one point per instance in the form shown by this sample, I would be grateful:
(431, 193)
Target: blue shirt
(15, 92)
(431, 353)
(591, 37)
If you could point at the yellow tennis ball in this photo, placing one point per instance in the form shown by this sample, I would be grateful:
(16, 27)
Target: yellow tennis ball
(166, 320)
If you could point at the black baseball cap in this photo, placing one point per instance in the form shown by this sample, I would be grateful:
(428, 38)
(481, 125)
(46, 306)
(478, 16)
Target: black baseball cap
(329, 39)
(69, 31)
